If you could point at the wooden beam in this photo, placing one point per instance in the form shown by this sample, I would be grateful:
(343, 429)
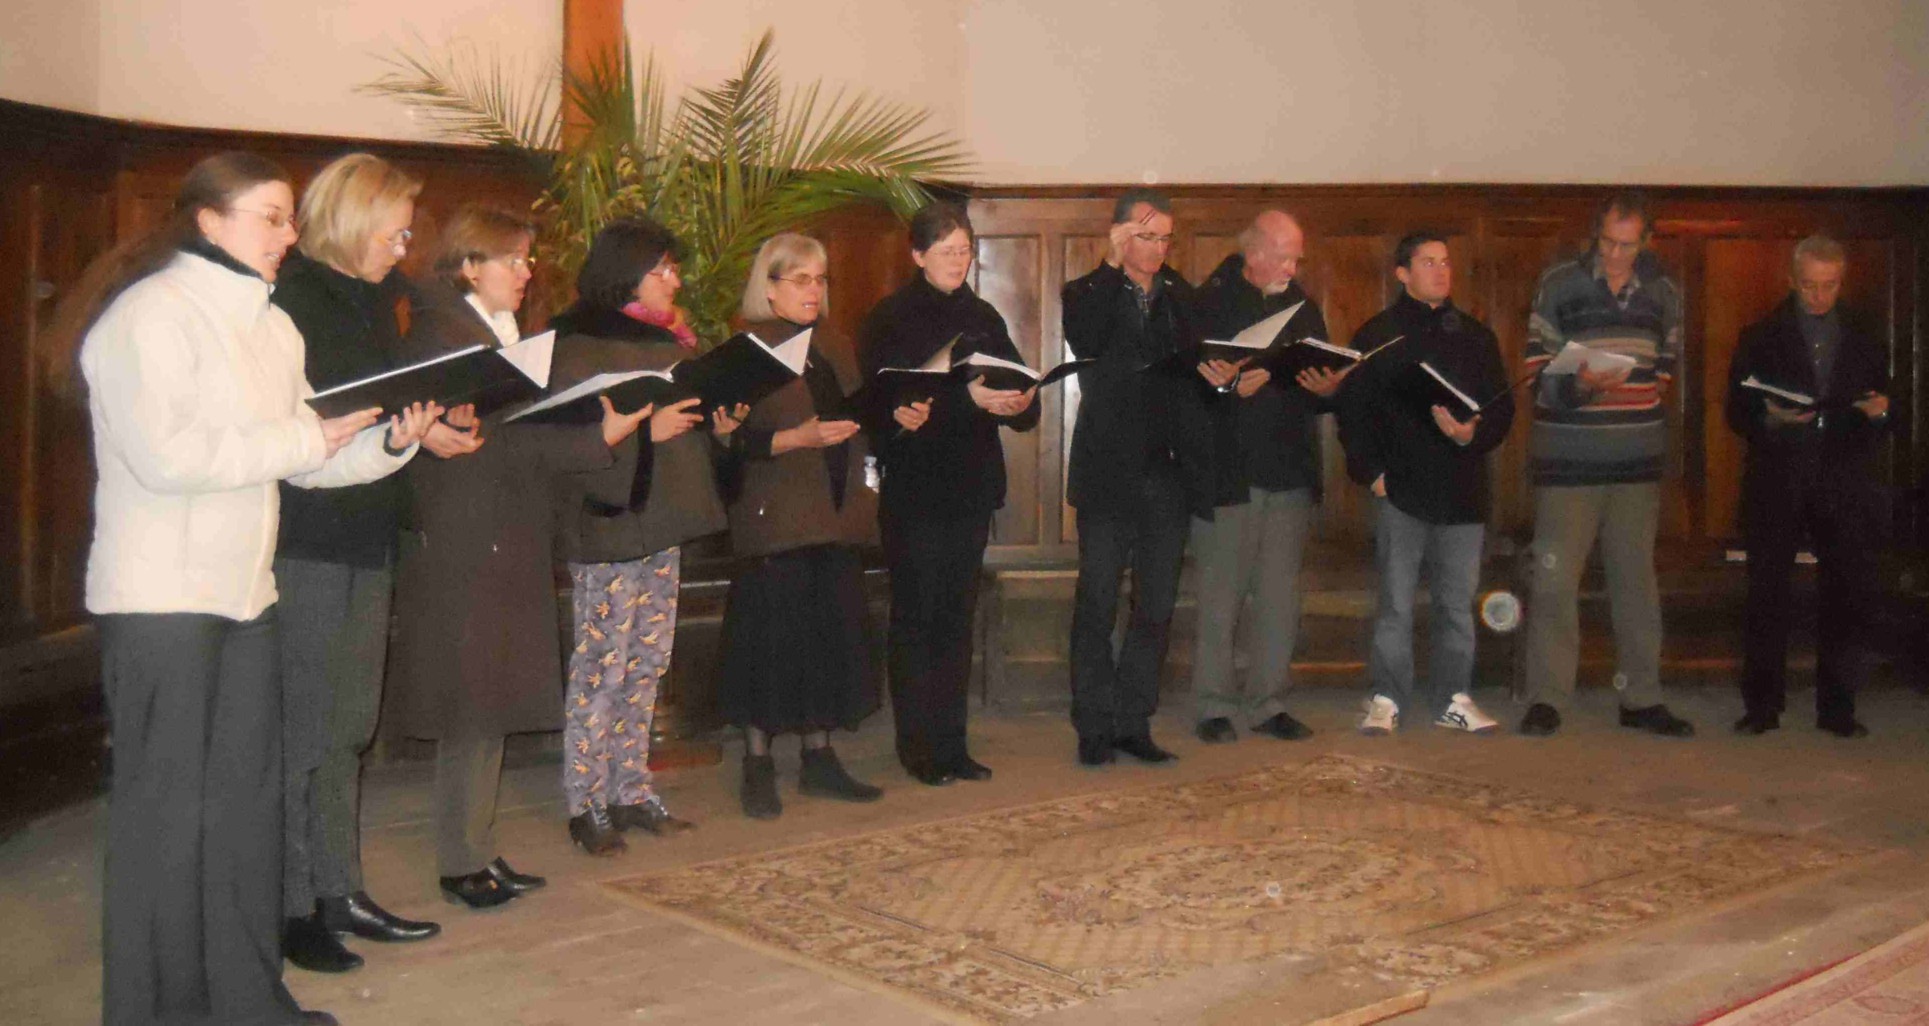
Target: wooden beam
(592, 29)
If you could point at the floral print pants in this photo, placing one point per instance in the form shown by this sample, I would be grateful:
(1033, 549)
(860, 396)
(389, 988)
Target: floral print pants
(625, 624)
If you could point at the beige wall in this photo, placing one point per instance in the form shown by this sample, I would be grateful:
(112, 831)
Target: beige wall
(49, 53)
(1697, 91)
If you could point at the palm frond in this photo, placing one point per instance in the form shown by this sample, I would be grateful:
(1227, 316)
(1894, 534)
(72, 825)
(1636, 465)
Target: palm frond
(474, 99)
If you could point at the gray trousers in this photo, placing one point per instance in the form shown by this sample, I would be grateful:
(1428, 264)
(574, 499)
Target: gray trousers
(1450, 554)
(192, 896)
(1566, 522)
(1248, 559)
(334, 641)
(468, 780)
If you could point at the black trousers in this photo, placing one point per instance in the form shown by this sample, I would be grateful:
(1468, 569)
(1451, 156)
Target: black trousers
(1846, 527)
(1116, 698)
(935, 566)
(192, 899)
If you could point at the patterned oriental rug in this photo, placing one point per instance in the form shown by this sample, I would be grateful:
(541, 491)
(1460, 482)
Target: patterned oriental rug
(1407, 878)
(1886, 985)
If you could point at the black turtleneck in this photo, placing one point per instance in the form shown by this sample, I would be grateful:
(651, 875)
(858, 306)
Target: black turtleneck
(954, 465)
(349, 331)
(1428, 475)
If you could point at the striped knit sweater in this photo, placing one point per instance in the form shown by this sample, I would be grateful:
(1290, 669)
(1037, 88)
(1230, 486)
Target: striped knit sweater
(1619, 436)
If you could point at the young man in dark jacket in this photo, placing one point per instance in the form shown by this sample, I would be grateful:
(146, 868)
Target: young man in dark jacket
(1266, 480)
(1426, 464)
(1817, 468)
(1135, 475)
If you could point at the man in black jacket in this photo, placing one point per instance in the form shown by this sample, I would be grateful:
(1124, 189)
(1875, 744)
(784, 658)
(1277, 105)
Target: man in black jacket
(1266, 480)
(1135, 476)
(1814, 467)
(1426, 464)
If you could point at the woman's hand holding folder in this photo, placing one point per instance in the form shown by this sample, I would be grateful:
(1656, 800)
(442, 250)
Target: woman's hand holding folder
(618, 426)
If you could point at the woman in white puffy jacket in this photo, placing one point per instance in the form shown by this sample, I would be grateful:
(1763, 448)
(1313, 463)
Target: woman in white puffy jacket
(195, 387)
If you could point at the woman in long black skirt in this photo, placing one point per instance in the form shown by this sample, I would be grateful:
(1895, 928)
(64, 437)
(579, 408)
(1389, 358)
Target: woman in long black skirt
(795, 655)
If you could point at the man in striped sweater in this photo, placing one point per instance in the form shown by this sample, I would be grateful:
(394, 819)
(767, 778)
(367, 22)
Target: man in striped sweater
(1600, 436)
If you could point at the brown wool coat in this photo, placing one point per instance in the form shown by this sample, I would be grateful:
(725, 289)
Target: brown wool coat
(784, 502)
(682, 503)
(478, 647)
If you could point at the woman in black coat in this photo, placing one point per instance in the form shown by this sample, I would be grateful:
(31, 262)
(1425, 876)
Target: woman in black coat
(478, 655)
(944, 476)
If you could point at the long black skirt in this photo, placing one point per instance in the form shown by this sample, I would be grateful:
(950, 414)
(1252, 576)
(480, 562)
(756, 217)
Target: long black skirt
(796, 653)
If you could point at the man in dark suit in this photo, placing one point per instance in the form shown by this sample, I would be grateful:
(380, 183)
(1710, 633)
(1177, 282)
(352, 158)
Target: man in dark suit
(1134, 478)
(1815, 467)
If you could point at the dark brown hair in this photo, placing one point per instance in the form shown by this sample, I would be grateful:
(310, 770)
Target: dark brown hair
(935, 221)
(210, 185)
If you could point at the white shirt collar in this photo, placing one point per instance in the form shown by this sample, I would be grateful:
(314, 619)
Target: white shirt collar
(503, 324)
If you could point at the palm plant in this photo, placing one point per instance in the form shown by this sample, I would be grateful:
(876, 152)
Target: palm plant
(727, 167)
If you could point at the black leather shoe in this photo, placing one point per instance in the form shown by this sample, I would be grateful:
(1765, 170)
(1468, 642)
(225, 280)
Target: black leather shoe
(478, 890)
(1284, 727)
(1094, 751)
(650, 817)
(1843, 728)
(1216, 731)
(1143, 749)
(1542, 720)
(824, 776)
(307, 942)
(360, 915)
(1656, 719)
(964, 767)
(515, 883)
(594, 833)
(930, 774)
(1757, 724)
(311, 1017)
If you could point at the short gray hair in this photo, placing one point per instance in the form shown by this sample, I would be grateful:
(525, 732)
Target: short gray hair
(779, 255)
(1253, 236)
(1819, 248)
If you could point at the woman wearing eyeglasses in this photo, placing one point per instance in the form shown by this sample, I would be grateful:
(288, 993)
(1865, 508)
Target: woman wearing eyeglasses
(944, 476)
(795, 658)
(335, 557)
(621, 532)
(195, 387)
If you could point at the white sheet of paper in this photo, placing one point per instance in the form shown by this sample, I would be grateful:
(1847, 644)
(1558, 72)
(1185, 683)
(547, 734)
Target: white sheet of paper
(793, 353)
(1758, 385)
(458, 354)
(1573, 354)
(1261, 335)
(531, 356)
(982, 360)
(586, 387)
(1472, 407)
(1328, 347)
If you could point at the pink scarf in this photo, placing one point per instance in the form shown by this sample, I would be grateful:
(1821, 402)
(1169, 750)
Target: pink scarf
(670, 320)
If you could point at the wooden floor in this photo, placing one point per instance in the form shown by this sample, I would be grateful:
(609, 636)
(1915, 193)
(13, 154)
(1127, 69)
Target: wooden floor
(572, 955)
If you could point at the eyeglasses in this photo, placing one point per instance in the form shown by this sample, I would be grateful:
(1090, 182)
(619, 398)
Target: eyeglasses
(400, 240)
(804, 281)
(513, 262)
(951, 252)
(273, 219)
(1607, 245)
(1153, 240)
(666, 271)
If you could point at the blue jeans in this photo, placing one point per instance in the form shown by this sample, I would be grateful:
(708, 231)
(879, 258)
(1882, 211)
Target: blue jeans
(1451, 554)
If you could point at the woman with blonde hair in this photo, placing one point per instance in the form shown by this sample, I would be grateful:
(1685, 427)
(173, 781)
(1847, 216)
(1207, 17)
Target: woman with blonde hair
(796, 656)
(195, 387)
(335, 557)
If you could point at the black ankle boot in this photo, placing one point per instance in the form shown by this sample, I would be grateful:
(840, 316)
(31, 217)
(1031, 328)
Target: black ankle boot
(308, 943)
(825, 777)
(760, 788)
(595, 833)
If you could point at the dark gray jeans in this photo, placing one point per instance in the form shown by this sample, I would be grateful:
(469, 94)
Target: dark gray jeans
(1402, 545)
(334, 641)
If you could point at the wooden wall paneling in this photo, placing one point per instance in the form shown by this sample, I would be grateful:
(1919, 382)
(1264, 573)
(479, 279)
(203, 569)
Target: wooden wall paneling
(1516, 254)
(1682, 483)
(1349, 277)
(1008, 278)
(18, 513)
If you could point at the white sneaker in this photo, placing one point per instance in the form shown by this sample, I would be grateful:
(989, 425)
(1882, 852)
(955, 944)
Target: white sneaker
(1463, 714)
(1382, 717)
